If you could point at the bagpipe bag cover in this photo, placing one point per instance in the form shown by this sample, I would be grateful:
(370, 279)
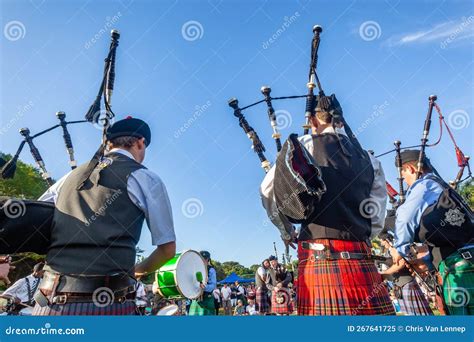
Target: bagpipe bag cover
(298, 185)
(25, 225)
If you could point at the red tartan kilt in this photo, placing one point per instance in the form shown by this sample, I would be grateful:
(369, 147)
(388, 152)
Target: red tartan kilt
(341, 287)
(284, 308)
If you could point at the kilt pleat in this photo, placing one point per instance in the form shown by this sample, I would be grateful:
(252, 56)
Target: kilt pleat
(413, 301)
(262, 300)
(85, 309)
(341, 287)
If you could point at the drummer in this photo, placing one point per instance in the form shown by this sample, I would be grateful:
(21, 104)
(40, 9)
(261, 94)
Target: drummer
(100, 210)
(205, 305)
(23, 290)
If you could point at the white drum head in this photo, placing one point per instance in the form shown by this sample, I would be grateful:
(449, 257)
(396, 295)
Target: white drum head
(190, 263)
(168, 310)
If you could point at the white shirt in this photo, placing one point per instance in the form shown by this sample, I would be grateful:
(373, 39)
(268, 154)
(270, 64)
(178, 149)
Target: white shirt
(217, 294)
(226, 292)
(377, 195)
(251, 310)
(262, 272)
(148, 192)
(141, 298)
(20, 289)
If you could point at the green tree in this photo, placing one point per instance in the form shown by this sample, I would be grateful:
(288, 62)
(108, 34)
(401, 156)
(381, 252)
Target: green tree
(466, 190)
(27, 183)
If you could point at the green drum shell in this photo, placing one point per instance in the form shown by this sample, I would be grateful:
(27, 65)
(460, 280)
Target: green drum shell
(166, 279)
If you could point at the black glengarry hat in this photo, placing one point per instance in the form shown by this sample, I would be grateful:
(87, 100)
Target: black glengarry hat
(130, 127)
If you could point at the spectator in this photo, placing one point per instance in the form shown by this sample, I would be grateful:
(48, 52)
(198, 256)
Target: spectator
(226, 301)
(233, 296)
(217, 299)
(251, 309)
(24, 289)
(240, 308)
(240, 292)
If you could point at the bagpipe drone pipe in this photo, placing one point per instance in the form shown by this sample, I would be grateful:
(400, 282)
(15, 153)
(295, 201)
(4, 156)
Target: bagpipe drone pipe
(298, 183)
(25, 225)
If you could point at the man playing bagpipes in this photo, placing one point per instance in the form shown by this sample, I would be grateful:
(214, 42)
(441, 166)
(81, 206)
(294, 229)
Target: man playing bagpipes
(436, 215)
(406, 289)
(100, 209)
(277, 282)
(330, 185)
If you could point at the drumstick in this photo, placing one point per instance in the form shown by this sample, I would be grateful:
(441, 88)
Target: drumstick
(199, 277)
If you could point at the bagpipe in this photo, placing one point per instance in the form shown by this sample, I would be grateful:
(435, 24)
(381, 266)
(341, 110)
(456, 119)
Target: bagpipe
(26, 224)
(462, 159)
(298, 184)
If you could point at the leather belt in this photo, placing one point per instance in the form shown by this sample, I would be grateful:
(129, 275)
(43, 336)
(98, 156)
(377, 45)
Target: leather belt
(57, 288)
(320, 253)
(83, 284)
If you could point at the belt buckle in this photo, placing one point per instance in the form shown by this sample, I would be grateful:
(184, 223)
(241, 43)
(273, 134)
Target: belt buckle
(61, 299)
(345, 255)
(466, 255)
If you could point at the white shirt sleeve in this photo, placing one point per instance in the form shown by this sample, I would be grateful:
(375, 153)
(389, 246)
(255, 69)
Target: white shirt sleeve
(148, 192)
(51, 195)
(378, 196)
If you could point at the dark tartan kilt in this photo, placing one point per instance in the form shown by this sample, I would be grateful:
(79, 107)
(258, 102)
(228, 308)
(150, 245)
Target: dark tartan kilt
(86, 309)
(413, 301)
(262, 300)
(284, 308)
(340, 287)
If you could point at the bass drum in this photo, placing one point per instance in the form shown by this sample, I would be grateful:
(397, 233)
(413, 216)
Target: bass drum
(169, 310)
(25, 225)
(181, 276)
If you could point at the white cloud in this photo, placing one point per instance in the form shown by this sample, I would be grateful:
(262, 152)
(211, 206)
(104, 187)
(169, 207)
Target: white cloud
(443, 33)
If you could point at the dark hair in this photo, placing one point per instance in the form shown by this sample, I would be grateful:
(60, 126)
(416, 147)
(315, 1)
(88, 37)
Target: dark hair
(426, 166)
(126, 142)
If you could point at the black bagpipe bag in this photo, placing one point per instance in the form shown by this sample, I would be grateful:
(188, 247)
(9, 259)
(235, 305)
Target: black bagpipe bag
(298, 185)
(25, 225)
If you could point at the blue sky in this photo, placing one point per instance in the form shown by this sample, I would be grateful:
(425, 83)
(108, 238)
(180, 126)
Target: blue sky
(180, 61)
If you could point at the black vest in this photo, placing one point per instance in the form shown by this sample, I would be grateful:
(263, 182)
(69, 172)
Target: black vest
(348, 175)
(96, 230)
